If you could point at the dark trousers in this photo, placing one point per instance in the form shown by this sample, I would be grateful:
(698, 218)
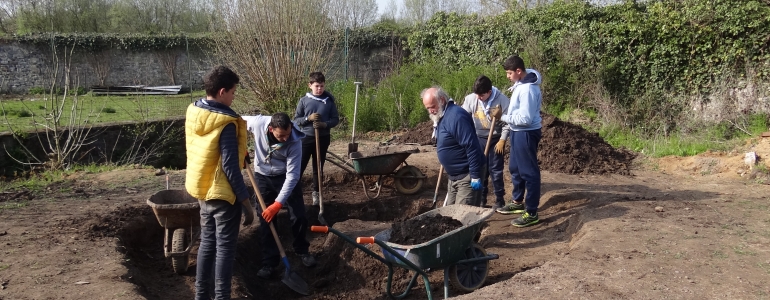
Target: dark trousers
(494, 167)
(308, 149)
(220, 223)
(525, 171)
(270, 186)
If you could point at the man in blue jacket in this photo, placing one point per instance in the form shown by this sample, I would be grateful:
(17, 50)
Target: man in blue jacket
(277, 158)
(523, 117)
(457, 145)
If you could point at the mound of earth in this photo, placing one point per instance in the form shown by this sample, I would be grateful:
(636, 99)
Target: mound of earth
(564, 148)
(418, 231)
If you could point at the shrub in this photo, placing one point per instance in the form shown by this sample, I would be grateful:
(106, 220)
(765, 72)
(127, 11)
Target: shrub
(24, 113)
(108, 110)
(37, 90)
(77, 91)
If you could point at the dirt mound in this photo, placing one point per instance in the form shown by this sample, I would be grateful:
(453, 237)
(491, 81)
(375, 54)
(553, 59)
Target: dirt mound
(564, 148)
(568, 148)
(420, 134)
(418, 231)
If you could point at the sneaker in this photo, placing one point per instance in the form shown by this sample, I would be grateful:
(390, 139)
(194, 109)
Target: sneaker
(525, 220)
(315, 198)
(265, 272)
(512, 208)
(496, 207)
(308, 260)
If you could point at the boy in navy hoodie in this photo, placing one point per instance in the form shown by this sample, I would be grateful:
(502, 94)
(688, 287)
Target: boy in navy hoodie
(316, 110)
(523, 117)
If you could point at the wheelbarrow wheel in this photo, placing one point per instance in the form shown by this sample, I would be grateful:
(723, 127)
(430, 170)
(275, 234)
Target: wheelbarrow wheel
(408, 186)
(179, 243)
(471, 276)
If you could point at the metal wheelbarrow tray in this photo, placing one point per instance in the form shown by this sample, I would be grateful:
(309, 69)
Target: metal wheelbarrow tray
(179, 214)
(408, 179)
(464, 262)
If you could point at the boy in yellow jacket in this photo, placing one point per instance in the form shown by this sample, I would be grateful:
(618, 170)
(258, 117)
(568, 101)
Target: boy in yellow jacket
(215, 137)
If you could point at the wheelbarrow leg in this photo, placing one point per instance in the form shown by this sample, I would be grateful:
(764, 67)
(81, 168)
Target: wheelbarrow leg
(446, 283)
(409, 286)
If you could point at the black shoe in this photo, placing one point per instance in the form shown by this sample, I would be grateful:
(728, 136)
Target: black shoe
(525, 220)
(308, 260)
(265, 272)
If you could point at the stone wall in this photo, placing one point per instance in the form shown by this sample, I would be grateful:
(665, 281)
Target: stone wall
(24, 66)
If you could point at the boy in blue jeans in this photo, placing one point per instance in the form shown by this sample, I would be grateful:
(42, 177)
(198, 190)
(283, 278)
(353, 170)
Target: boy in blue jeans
(316, 110)
(215, 138)
(523, 117)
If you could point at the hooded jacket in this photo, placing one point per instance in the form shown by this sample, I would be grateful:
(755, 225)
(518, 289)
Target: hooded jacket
(285, 160)
(480, 112)
(215, 138)
(524, 110)
(325, 105)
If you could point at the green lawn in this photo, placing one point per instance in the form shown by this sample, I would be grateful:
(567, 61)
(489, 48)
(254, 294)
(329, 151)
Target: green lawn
(24, 112)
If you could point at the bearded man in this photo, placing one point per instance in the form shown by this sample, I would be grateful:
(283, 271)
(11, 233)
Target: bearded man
(457, 145)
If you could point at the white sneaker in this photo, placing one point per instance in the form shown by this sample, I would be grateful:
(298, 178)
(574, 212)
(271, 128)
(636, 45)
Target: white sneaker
(315, 198)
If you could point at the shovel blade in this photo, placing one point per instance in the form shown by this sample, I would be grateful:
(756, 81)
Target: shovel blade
(352, 147)
(296, 283)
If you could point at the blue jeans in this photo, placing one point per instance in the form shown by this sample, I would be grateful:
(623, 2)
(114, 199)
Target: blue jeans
(495, 163)
(525, 171)
(220, 223)
(270, 186)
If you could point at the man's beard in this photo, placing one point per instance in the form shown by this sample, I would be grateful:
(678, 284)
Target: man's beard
(439, 114)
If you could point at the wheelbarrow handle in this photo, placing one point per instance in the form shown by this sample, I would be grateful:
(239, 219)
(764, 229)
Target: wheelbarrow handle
(321, 229)
(365, 240)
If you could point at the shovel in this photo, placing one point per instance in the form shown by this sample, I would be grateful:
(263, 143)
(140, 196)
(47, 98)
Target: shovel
(353, 146)
(290, 278)
(485, 170)
(438, 182)
(320, 179)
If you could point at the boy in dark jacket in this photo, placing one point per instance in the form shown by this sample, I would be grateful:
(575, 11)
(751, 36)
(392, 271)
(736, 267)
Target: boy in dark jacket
(317, 110)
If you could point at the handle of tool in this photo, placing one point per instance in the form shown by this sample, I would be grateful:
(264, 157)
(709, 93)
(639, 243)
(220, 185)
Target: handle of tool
(438, 183)
(321, 229)
(262, 205)
(365, 240)
(355, 113)
(320, 179)
(489, 136)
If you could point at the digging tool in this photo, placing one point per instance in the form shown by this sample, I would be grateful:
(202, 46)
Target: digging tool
(290, 278)
(485, 170)
(320, 180)
(438, 183)
(353, 146)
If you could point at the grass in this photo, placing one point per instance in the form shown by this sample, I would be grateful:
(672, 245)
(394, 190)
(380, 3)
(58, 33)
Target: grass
(22, 114)
(39, 181)
(12, 205)
(3, 267)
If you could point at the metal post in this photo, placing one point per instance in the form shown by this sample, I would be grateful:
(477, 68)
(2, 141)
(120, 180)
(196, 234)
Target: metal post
(347, 59)
(355, 113)
(189, 71)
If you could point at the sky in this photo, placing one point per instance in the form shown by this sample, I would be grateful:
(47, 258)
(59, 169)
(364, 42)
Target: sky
(381, 5)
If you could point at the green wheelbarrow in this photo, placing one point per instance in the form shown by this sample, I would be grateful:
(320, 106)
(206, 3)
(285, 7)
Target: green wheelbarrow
(407, 179)
(465, 263)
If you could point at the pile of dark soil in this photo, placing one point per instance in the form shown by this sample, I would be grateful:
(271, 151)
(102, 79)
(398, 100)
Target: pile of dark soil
(564, 148)
(417, 231)
(420, 134)
(568, 148)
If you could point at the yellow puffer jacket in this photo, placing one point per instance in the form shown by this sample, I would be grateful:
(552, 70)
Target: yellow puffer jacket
(205, 178)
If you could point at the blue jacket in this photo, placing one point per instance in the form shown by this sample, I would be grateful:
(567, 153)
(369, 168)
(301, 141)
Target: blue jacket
(312, 104)
(283, 161)
(457, 145)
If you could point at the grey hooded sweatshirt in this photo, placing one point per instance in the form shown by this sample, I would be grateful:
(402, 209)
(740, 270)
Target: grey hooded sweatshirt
(480, 112)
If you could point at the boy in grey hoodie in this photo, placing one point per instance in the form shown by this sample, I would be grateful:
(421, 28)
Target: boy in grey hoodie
(277, 156)
(316, 110)
(478, 104)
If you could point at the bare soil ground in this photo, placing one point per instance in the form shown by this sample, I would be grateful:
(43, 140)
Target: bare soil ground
(94, 237)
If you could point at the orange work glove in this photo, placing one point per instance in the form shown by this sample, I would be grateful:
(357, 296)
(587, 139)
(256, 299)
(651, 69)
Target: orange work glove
(271, 211)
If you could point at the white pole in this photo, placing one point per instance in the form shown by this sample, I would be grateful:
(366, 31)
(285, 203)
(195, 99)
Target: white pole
(355, 113)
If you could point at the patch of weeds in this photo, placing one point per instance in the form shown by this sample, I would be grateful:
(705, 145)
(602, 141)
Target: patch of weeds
(38, 90)
(41, 107)
(109, 110)
(741, 250)
(12, 205)
(680, 255)
(3, 267)
(718, 254)
(765, 267)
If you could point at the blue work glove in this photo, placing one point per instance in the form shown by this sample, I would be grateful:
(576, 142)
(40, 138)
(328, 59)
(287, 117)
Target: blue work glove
(476, 184)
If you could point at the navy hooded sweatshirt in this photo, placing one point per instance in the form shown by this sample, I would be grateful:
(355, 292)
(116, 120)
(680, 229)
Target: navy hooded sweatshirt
(457, 145)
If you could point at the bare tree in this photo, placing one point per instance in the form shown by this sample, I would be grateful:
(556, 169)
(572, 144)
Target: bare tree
(101, 63)
(352, 13)
(168, 60)
(418, 11)
(273, 45)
